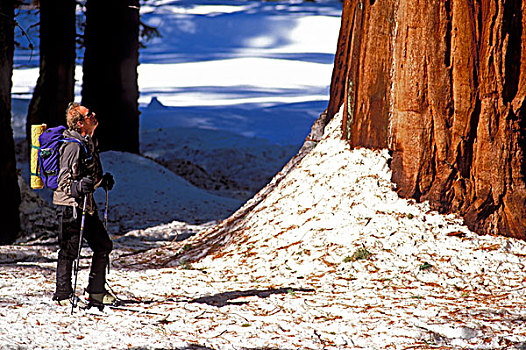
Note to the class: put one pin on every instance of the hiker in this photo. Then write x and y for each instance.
(80, 173)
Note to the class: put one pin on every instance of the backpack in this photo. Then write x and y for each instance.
(49, 154)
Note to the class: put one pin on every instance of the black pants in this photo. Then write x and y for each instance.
(68, 238)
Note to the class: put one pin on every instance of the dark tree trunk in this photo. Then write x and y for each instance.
(9, 215)
(55, 85)
(443, 85)
(110, 72)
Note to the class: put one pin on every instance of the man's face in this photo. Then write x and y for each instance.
(89, 122)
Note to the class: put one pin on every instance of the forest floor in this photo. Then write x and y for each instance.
(331, 259)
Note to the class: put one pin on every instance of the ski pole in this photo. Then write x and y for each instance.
(74, 301)
(106, 222)
(106, 212)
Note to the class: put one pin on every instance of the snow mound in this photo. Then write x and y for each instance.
(335, 227)
(335, 201)
(147, 194)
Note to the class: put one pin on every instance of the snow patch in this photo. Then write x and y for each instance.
(147, 194)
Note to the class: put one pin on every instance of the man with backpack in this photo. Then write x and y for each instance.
(80, 173)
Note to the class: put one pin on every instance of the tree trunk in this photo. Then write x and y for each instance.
(110, 72)
(9, 215)
(442, 84)
(56, 82)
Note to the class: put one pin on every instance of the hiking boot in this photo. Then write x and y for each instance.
(105, 298)
(62, 299)
(69, 301)
(63, 302)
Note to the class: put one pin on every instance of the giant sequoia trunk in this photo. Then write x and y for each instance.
(110, 71)
(55, 85)
(9, 215)
(442, 84)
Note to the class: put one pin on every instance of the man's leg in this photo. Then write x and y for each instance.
(101, 245)
(68, 239)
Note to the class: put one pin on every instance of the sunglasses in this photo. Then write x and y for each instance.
(88, 116)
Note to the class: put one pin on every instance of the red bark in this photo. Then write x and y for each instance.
(442, 84)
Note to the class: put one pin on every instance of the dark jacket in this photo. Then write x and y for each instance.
(76, 163)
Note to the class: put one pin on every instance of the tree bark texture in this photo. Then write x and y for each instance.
(111, 58)
(9, 215)
(56, 82)
(442, 84)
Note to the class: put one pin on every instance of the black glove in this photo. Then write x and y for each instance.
(82, 187)
(107, 181)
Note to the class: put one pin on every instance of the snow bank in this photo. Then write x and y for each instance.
(147, 194)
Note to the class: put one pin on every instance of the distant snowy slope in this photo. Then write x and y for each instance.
(283, 124)
(204, 30)
(222, 162)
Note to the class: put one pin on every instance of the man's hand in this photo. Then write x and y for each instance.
(107, 182)
(82, 187)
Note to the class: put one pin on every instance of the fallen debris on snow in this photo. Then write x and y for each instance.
(330, 258)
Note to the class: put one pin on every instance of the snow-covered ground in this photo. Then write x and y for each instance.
(325, 261)
(331, 258)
